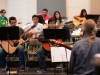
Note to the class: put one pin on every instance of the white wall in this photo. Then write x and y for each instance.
(74, 7)
(22, 10)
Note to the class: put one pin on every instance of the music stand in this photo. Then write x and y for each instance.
(95, 17)
(57, 34)
(9, 33)
(98, 33)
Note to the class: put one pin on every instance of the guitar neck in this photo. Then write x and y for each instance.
(67, 46)
(25, 33)
(62, 44)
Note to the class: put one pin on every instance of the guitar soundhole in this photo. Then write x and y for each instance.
(15, 44)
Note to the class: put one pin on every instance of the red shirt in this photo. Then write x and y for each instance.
(45, 17)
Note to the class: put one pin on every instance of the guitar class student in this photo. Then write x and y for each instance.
(38, 26)
(58, 18)
(45, 14)
(80, 18)
(19, 50)
(45, 48)
(84, 50)
(3, 18)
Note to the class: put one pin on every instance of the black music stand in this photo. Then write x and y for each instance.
(98, 33)
(57, 34)
(95, 17)
(9, 33)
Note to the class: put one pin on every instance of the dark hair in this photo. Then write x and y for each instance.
(51, 20)
(2, 10)
(60, 19)
(45, 10)
(12, 18)
(35, 16)
(81, 14)
(41, 20)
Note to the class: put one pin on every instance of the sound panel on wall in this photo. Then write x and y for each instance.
(52, 6)
(95, 6)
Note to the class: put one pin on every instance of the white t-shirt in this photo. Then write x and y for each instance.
(38, 29)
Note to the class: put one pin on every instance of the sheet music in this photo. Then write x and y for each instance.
(76, 32)
(60, 54)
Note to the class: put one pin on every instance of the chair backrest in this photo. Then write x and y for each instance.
(34, 44)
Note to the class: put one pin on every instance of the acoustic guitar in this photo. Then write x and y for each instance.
(13, 45)
(76, 22)
(46, 46)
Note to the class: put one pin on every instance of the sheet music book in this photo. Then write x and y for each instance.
(76, 32)
(60, 54)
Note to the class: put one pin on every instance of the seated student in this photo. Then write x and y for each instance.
(84, 50)
(45, 14)
(82, 14)
(19, 50)
(3, 18)
(58, 18)
(42, 52)
(39, 27)
(41, 20)
(79, 19)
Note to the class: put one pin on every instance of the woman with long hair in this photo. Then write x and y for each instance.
(82, 14)
(58, 18)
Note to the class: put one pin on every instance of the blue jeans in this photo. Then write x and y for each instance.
(19, 50)
(41, 53)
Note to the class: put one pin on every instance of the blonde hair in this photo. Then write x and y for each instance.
(90, 27)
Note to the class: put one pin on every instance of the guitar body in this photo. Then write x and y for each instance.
(46, 46)
(13, 46)
(12, 49)
(77, 22)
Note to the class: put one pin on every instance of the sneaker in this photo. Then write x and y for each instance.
(42, 71)
(22, 69)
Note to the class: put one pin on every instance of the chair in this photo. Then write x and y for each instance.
(34, 45)
(14, 56)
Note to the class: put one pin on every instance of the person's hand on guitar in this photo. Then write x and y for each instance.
(51, 40)
(54, 42)
(14, 41)
(61, 27)
(27, 35)
(80, 20)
